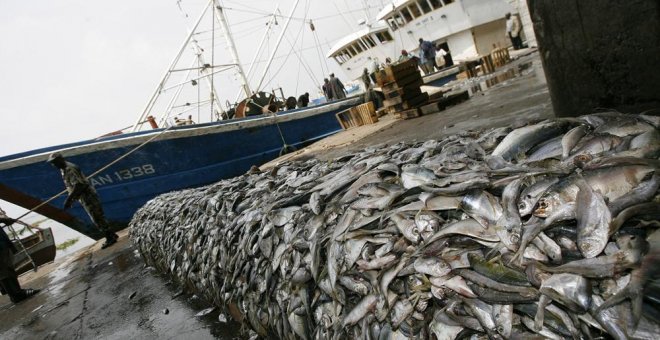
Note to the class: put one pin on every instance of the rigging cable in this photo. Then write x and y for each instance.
(319, 53)
(212, 63)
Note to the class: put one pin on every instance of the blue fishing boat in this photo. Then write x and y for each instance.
(173, 159)
(131, 166)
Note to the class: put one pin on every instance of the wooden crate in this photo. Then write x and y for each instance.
(348, 120)
(399, 105)
(414, 79)
(500, 56)
(405, 92)
(407, 114)
(366, 112)
(357, 116)
(396, 71)
(443, 103)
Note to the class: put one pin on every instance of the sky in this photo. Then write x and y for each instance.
(78, 69)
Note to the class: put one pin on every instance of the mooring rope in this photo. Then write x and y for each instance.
(88, 177)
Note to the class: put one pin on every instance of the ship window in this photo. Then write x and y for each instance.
(447, 2)
(406, 14)
(351, 51)
(357, 47)
(370, 41)
(436, 3)
(414, 10)
(384, 36)
(363, 45)
(399, 20)
(338, 60)
(392, 23)
(424, 6)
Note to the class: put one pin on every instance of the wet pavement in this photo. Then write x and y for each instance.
(107, 294)
(110, 294)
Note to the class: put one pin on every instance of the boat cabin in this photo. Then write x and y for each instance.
(360, 49)
(467, 28)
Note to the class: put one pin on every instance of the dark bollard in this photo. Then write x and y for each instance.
(599, 54)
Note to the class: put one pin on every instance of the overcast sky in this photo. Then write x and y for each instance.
(77, 69)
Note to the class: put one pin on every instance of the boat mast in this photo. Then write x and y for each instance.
(272, 21)
(152, 100)
(205, 71)
(277, 45)
(220, 15)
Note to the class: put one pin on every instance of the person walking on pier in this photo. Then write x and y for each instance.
(8, 279)
(81, 190)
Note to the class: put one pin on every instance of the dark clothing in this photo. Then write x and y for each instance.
(327, 91)
(338, 88)
(7, 250)
(290, 103)
(303, 100)
(5, 241)
(366, 79)
(88, 197)
(516, 42)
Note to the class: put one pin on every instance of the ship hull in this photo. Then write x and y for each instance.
(179, 158)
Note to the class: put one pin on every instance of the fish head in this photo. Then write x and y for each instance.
(582, 159)
(427, 223)
(632, 242)
(547, 205)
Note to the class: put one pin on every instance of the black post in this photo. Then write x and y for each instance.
(599, 54)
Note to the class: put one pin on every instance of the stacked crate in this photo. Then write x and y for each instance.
(400, 84)
(357, 116)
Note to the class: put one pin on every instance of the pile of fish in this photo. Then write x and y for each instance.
(549, 230)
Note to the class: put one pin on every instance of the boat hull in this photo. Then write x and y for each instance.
(179, 158)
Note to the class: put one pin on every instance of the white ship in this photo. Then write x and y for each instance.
(464, 28)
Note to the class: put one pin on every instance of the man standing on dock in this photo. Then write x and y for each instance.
(513, 30)
(8, 278)
(80, 189)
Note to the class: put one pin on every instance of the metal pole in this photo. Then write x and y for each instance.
(220, 15)
(279, 40)
(200, 57)
(152, 100)
(261, 44)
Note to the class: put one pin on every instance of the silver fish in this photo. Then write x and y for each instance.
(366, 305)
(520, 140)
(432, 266)
(571, 138)
(573, 291)
(593, 220)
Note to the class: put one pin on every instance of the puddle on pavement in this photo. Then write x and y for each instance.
(59, 278)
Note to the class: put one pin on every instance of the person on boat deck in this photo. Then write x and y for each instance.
(327, 90)
(440, 54)
(290, 103)
(427, 55)
(303, 100)
(374, 67)
(8, 278)
(338, 89)
(366, 79)
(404, 56)
(81, 190)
